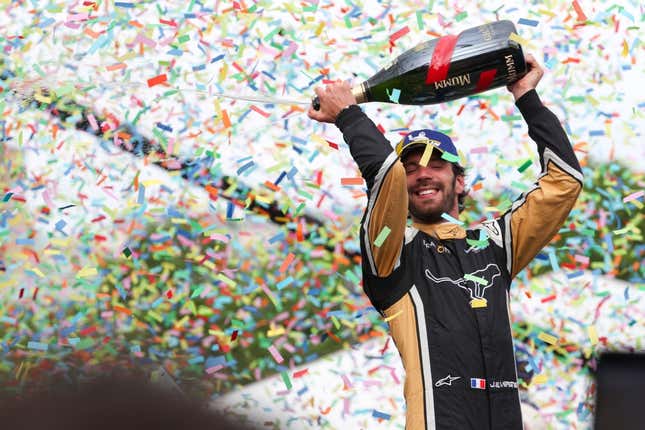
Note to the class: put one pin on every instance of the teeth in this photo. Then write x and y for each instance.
(427, 192)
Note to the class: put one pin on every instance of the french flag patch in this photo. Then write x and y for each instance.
(479, 384)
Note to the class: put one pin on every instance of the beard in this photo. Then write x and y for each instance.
(433, 215)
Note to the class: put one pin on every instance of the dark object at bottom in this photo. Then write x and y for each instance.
(620, 399)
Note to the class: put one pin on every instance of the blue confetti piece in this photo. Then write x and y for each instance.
(382, 415)
(277, 237)
(245, 167)
(451, 219)
(142, 195)
(554, 261)
(219, 57)
(284, 282)
(123, 4)
(37, 345)
(529, 22)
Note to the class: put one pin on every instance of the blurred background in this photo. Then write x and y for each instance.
(151, 221)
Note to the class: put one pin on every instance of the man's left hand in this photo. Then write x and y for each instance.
(529, 81)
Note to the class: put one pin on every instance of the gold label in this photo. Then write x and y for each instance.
(510, 67)
(487, 32)
(460, 80)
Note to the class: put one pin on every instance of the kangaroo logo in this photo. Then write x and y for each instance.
(474, 283)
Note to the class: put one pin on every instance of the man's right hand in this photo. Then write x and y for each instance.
(333, 98)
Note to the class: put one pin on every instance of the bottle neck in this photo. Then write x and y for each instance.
(359, 93)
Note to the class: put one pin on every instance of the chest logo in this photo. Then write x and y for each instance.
(475, 283)
(448, 380)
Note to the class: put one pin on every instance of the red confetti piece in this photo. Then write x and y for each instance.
(157, 80)
(548, 299)
(579, 11)
(300, 373)
(260, 111)
(397, 35)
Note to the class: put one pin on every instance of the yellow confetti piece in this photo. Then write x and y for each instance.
(149, 182)
(478, 303)
(548, 338)
(539, 379)
(276, 332)
(522, 41)
(228, 281)
(391, 317)
(593, 335)
(425, 157)
(37, 271)
(87, 272)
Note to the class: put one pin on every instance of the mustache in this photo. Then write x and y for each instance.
(428, 183)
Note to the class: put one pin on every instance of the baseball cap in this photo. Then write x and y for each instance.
(418, 138)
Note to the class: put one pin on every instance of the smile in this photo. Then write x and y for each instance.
(427, 192)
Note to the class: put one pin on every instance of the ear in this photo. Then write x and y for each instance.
(460, 184)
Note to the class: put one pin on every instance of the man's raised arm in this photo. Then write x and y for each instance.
(539, 213)
(387, 205)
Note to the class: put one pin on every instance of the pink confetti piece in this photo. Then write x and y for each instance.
(276, 354)
(634, 196)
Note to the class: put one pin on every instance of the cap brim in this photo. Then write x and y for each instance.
(418, 145)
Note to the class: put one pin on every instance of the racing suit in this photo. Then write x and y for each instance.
(445, 289)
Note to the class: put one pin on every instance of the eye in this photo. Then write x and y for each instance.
(411, 168)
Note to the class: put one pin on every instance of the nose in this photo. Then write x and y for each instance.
(424, 172)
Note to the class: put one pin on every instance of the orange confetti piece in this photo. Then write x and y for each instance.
(116, 66)
(122, 309)
(225, 119)
(351, 181)
(287, 262)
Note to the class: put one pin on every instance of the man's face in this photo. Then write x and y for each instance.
(432, 189)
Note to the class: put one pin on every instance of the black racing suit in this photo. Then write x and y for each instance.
(445, 289)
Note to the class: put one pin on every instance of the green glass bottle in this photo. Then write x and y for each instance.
(447, 68)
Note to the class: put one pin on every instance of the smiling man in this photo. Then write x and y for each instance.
(443, 288)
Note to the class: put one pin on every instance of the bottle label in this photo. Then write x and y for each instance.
(455, 81)
(510, 67)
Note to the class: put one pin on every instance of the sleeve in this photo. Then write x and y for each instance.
(387, 206)
(538, 214)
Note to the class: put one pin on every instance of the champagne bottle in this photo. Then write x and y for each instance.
(447, 68)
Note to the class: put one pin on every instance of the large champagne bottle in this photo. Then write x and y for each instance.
(447, 68)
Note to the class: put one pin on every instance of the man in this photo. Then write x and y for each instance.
(446, 288)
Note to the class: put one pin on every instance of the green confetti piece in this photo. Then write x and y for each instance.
(183, 39)
(385, 232)
(461, 16)
(525, 166)
(476, 279)
(477, 243)
(285, 378)
(271, 34)
(508, 118)
(519, 186)
(127, 252)
(450, 157)
(420, 20)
